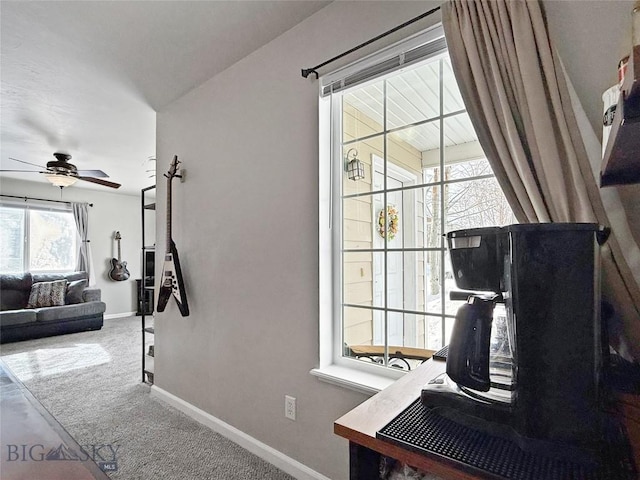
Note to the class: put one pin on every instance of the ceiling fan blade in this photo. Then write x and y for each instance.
(99, 181)
(92, 173)
(28, 163)
(23, 171)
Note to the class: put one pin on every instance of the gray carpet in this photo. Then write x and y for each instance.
(91, 383)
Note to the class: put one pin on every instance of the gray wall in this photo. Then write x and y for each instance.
(246, 228)
(591, 38)
(110, 212)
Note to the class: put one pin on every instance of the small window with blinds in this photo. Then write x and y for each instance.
(406, 167)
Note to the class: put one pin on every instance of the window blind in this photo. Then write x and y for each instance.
(35, 204)
(423, 45)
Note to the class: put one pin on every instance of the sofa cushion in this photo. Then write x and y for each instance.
(47, 294)
(14, 291)
(51, 277)
(17, 317)
(92, 294)
(74, 292)
(19, 281)
(69, 312)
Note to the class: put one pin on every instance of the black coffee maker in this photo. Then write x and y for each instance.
(536, 369)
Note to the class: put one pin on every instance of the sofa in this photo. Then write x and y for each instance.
(41, 305)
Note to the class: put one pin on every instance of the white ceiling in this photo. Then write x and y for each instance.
(413, 96)
(86, 78)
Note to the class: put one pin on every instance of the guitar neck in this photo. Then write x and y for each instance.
(169, 214)
(119, 257)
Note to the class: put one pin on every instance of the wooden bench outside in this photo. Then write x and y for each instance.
(376, 353)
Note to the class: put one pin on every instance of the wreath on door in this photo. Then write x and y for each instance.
(394, 222)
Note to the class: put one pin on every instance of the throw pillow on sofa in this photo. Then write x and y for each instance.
(47, 294)
(74, 292)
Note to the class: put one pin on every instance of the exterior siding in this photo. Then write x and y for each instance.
(359, 228)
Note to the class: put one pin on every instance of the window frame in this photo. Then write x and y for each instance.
(334, 366)
(33, 206)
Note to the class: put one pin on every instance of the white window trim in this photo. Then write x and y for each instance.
(335, 369)
(332, 366)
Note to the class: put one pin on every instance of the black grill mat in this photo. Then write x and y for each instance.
(420, 429)
(441, 354)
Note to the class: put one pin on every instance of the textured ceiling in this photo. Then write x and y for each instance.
(86, 78)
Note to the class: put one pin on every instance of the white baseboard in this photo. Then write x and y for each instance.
(119, 315)
(262, 450)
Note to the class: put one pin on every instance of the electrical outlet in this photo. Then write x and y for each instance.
(290, 407)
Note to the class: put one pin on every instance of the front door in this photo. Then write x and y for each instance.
(398, 292)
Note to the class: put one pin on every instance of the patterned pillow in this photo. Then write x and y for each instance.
(47, 294)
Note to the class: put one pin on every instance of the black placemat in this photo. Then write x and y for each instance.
(441, 354)
(421, 429)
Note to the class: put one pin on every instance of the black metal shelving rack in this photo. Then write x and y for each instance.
(146, 294)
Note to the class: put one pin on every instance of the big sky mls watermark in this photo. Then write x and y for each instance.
(103, 454)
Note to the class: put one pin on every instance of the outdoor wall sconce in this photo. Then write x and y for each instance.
(355, 168)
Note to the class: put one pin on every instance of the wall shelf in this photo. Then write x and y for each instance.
(621, 163)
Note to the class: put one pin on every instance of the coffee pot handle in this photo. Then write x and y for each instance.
(468, 356)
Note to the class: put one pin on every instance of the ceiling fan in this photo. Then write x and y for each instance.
(62, 174)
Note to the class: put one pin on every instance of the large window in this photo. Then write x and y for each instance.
(37, 240)
(425, 174)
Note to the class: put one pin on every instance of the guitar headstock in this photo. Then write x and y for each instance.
(173, 168)
(118, 237)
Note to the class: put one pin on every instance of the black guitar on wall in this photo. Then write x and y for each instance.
(118, 271)
(172, 283)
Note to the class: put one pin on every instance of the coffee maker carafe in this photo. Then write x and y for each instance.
(535, 368)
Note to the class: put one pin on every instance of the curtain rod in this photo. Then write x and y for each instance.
(307, 71)
(39, 199)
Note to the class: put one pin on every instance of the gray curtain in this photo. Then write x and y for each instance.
(85, 261)
(516, 94)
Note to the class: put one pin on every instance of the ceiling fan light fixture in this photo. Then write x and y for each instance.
(61, 180)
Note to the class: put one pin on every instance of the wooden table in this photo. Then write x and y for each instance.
(34, 444)
(360, 425)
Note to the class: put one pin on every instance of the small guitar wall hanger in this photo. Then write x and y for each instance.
(118, 271)
(171, 280)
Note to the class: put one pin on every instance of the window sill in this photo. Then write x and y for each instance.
(363, 382)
